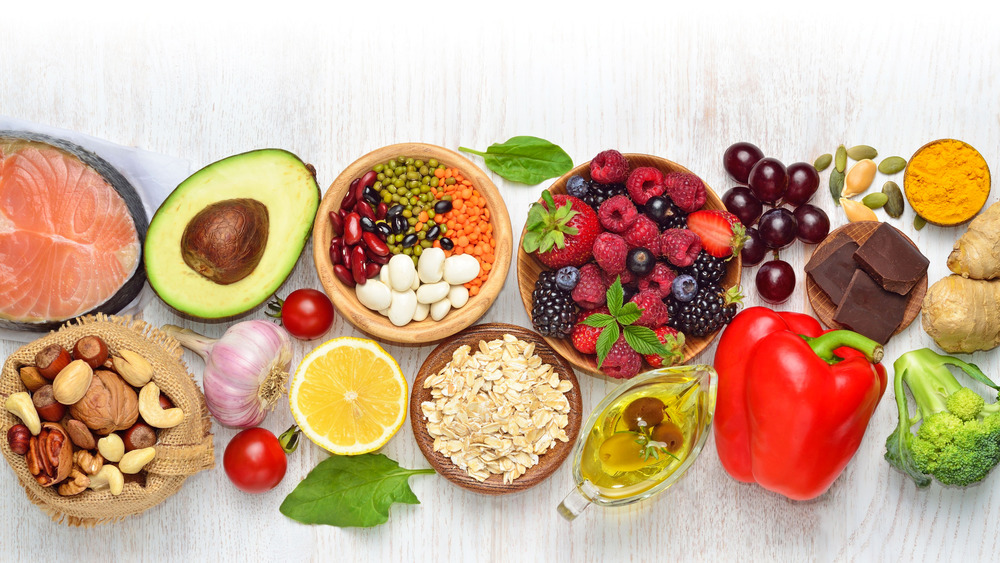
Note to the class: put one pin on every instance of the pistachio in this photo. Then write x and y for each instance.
(111, 447)
(19, 404)
(875, 200)
(823, 162)
(894, 201)
(133, 368)
(836, 185)
(109, 477)
(841, 159)
(72, 382)
(892, 165)
(133, 461)
(859, 178)
(857, 211)
(862, 152)
(919, 222)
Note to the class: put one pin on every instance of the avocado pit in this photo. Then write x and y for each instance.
(225, 241)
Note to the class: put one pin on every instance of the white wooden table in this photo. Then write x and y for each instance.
(331, 88)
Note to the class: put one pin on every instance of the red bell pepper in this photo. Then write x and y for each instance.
(793, 401)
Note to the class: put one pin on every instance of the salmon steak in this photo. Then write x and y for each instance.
(68, 241)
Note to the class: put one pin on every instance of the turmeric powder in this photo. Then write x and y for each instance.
(947, 182)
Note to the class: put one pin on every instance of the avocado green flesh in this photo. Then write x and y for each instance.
(276, 178)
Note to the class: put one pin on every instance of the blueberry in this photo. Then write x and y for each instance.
(629, 292)
(640, 261)
(567, 278)
(657, 207)
(684, 288)
(577, 186)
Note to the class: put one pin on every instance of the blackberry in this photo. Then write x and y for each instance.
(597, 193)
(707, 269)
(711, 309)
(553, 312)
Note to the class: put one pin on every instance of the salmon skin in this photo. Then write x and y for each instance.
(71, 233)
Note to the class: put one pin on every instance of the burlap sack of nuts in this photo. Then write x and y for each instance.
(181, 451)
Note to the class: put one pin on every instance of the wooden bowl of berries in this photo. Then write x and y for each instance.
(412, 243)
(630, 257)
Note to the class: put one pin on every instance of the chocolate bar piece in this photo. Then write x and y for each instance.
(870, 310)
(832, 267)
(891, 260)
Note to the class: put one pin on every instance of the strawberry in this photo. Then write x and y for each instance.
(722, 234)
(561, 231)
(584, 336)
(674, 341)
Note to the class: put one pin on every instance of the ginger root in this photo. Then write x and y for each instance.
(963, 315)
(977, 253)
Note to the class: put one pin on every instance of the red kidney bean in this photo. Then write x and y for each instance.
(352, 229)
(368, 180)
(344, 275)
(381, 210)
(343, 213)
(372, 269)
(358, 264)
(359, 189)
(351, 197)
(336, 254)
(364, 210)
(345, 256)
(379, 259)
(375, 244)
(337, 222)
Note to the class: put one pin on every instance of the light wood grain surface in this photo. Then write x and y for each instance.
(331, 87)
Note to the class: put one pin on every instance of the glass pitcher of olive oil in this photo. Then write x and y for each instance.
(642, 437)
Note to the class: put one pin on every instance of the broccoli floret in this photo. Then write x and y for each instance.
(958, 441)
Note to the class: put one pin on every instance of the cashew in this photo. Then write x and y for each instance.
(153, 413)
(133, 368)
(20, 405)
(111, 447)
(133, 461)
(108, 477)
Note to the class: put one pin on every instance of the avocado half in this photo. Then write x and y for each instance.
(274, 178)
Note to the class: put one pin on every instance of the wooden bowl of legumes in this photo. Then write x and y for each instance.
(403, 200)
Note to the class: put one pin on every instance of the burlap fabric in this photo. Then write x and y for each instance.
(181, 451)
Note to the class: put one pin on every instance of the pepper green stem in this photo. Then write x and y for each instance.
(825, 344)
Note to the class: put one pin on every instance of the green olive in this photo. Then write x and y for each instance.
(621, 452)
(643, 412)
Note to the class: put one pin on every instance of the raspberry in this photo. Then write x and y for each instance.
(645, 183)
(617, 213)
(585, 337)
(659, 280)
(686, 190)
(643, 232)
(609, 167)
(674, 341)
(622, 362)
(591, 291)
(679, 246)
(610, 251)
(654, 310)
(627, 277)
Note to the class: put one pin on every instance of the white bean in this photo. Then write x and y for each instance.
(432, 292)
(383, 275)
(401, 272)
(440, 309)
(404, 304)
(374, 294)
(423, 309)
(460, 269)
(430, 266)
(458, 296)
(416, 283)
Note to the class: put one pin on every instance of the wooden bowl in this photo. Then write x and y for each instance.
(945, 186)
(547, 462)
(825, 308)
(528, 267)
(344, 298)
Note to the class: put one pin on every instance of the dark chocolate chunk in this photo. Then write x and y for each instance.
(870, 310)
(833, 265)
(891, 260)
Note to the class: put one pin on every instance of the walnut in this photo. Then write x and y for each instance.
(89, 463)
(77, 482)
(110, 404)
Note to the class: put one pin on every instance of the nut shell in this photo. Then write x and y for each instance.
(50, 455)
(109, 404)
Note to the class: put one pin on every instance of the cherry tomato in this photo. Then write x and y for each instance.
(306, 313)
(254, 461)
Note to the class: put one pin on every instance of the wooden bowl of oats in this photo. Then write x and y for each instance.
(464, 409)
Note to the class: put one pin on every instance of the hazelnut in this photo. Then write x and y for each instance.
(139, 436)
(109, 404)
(49, 409)
(51, 360)
(31, 378)
(92, 350)
(18, 438)
(81, 436)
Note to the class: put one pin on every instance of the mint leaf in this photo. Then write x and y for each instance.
(643, 340)
(605, 341)
(351, 491)
(615, 295)
(629, 313)
(599, 320)
(525, 159)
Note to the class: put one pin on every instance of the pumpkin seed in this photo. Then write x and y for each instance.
(894, 199)
(823, 162)
(862, 152)
(836, 185)
(841, 159)
(859, 178)
(857, 211)
(919, 222)
(875, 200)
(892, 164)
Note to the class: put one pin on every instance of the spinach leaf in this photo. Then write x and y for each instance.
(351, 491)
(528, 160)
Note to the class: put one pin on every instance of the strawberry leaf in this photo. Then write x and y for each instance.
(536, 217)
(615, 296)
(531, 241)
(629, 313)
(546, 242)
(599, 320)
(643, 340)
(558, 238)
(606, 340)
(547, 197)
